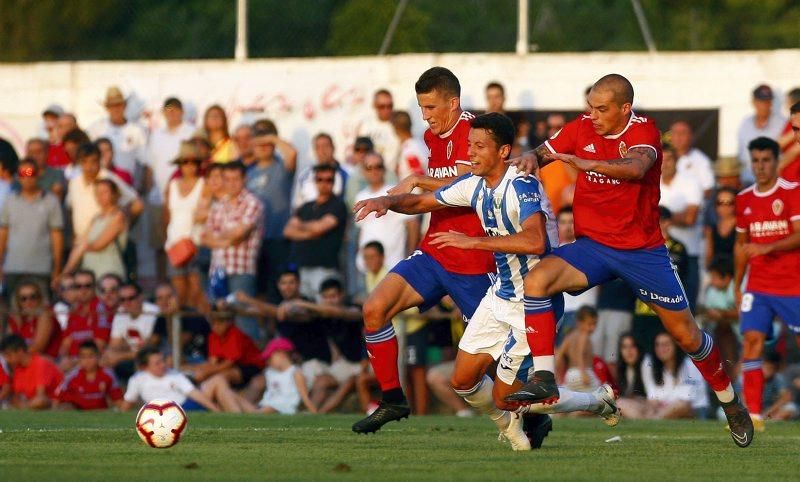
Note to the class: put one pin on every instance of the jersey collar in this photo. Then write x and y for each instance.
(768, 192)
(630, 121)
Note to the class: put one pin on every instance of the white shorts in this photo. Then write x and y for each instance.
(312, 369)
(342, 370)
(574, 380)
(497, 328)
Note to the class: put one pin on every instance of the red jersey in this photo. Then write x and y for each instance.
(792, 170)
(84, 323)
(767, 217)
(57, 157)
(614, 212)
(235, 346)
(87, 394)
(39, 372)
(4, 371)
(25, 326)
(446, 152)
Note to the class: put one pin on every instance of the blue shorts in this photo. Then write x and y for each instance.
(758, 310)
(649, 272)
(433, 282)
(190, 404)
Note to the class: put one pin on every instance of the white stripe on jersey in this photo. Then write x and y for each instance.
(501, 211)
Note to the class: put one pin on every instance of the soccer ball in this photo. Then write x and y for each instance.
(160, 423)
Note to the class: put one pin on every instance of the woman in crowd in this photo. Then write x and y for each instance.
(721, 237)
(215, 123)
(629, 377)
(101, 250)
(675, 388)
(180, 209)
(32, 319)
(107, 160)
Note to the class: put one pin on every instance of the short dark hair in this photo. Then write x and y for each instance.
(376, 245)
(401, 120)
(722, 264)
(214, 166)
(143, 355)
(323, 135)
(263, 127)
(795, 108)
(133, 285)
(765, 144)
(111, 186)
(619, 85)
(104, 140)
(323, 168)
(496, 85)
(236, 166)
(173, 102)
(13, 343)
(498, 126)
(89, 345)
(113, 276)
(726, 189)
(331, 283)
(440, 79)
(290, 272)
(85, 272)
(76, 136)
(381, 92)
(585, 312)
(88, 149)
(794, 95)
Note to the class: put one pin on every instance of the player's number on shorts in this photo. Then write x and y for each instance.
(415, 253)
(747, 302)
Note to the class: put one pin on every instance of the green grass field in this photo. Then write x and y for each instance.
(73, 446)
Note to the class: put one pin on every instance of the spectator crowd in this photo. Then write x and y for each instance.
(261, 269)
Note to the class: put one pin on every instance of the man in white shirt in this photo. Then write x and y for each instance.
(413, 152)
(682, 194)
(764, 123)
(130, 331)
(129, 139)
(154, 380)
(80, 194)
(398, 233)
(379, 129)
(691, 160)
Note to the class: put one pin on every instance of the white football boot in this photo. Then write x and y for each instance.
(514, 433)
(610, 412)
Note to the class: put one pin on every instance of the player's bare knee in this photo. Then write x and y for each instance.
(538, 284)
(374, 311)
(464, 382)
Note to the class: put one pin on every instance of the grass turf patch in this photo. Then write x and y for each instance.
(73, 445)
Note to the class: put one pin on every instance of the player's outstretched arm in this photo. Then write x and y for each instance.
(531, 161)
(634, 166)
(427, 183)
(531, 240)
(400, 203)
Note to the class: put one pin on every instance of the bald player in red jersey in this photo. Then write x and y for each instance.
(618, 156)
(768, 250)
(429, 273)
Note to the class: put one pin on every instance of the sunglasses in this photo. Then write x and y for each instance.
(126, 299)
(108, 291)
(67, 287)
(26, 298)
(384, 106)
(725, 203)
(361, 149)
(84, 286)
(375, 167)
(184, 162)
(327, 180)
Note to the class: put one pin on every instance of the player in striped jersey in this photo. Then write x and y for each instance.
(519, 227)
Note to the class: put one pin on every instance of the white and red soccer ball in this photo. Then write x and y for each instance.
(160, 423)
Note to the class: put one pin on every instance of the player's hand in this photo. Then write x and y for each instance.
(377, 205)
(453, 239)
(405, 186)
(528, 163)
(751, 250)
(574, 161)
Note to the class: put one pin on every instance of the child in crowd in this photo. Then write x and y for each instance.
(286, 385)
(576, 355)
(35, 378)
(90, 386)
(674, 386)
(778, 396)
(720, 310)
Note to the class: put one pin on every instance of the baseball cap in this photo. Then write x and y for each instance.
(277, 344)
(763, 92)
(53, 109)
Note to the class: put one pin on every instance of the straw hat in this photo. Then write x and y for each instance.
(727, 166)
(114, 96)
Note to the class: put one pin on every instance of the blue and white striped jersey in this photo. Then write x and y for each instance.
(502, 211)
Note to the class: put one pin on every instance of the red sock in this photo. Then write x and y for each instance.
(711, 369)
(540, 326)
(753, 385)
(382, 350)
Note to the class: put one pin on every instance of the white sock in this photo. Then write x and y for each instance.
(546, 363)
(726, 396)
(480, 397)
(569, 401)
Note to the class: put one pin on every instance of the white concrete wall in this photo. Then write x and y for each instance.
(305, 96)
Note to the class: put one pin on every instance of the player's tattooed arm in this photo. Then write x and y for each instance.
(399, 203)
(531, 161)
(634, 166)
